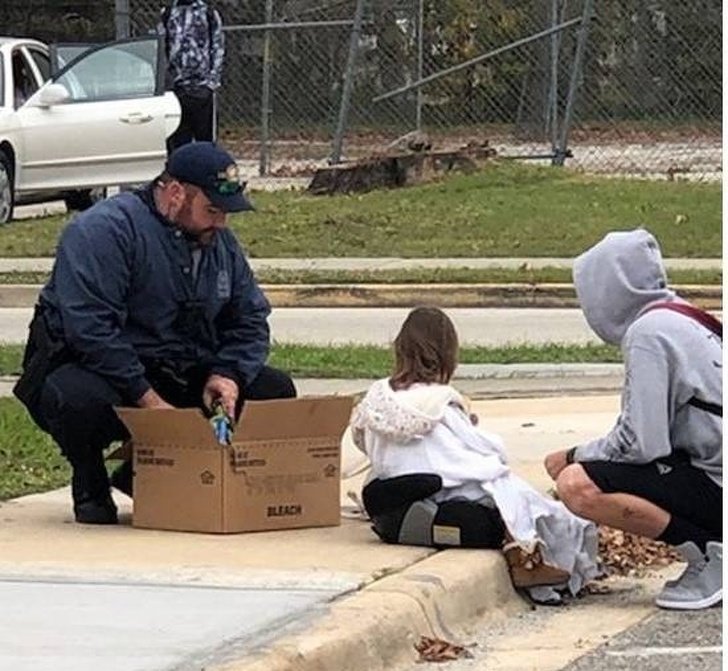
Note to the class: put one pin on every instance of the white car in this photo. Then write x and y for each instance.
(102, 119)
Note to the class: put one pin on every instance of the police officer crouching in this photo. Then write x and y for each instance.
(151, 303)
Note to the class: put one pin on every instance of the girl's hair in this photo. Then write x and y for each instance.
(425, 350)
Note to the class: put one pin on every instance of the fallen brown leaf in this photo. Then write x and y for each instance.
(437, 650)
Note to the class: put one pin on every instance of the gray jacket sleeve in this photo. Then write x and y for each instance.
(642, 431)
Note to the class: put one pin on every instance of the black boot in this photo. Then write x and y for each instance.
(92, 502)
(122, 478)
(100, 510)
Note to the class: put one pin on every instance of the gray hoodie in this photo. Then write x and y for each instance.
(669, 358)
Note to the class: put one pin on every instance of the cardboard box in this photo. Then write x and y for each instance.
(281, 472)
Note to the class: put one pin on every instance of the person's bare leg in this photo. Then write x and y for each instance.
(620, 511)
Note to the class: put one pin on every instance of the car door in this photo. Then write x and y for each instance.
(112, 126)
(61, 54)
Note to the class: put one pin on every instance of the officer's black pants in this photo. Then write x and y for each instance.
(76, 407)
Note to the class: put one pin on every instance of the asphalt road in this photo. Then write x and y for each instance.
(379, 326)
(665, 641)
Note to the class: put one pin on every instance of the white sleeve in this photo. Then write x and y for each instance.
(474, 438)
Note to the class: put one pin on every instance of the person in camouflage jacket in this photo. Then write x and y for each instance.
(195, 48)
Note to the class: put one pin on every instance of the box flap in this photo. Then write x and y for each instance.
(178, 426)
(311, 416)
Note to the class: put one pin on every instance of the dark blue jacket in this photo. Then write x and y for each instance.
(122, 290)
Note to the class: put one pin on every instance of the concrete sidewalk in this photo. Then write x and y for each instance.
(78, 597)
(44, 264)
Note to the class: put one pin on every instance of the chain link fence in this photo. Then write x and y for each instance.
(304, 79)
(58, 20)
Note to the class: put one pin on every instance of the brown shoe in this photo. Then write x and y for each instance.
(528, 568)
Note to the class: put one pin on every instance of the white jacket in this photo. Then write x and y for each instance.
(426, 429)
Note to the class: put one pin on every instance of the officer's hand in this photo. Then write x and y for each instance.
(151, 399)
(223, 389)
(555, 463)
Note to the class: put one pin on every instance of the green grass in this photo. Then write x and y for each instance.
(11, 357)
(414, 276)
(364, 361)
(507, 209)
(29, 460)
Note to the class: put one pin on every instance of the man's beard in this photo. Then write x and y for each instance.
(202, 237)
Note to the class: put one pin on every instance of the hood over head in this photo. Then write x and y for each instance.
(617, 278)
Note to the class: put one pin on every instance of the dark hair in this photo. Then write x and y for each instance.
(165, 178)
(425, 350)
(162, 179)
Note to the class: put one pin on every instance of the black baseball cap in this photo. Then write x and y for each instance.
(211, 168)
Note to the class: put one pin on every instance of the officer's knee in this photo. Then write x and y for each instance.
(280, 384)
(577, 491)
(71, 388)
(271, 383)
(76, 407)
(286, 387)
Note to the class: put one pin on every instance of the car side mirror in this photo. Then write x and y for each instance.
(52, 94)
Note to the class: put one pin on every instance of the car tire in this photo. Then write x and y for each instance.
(83, 199)
(7, 190)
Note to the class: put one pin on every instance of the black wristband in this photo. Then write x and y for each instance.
(570, 454)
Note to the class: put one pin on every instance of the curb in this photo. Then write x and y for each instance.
(513, 380)
(517, 295)
(377, 627)
(478, 381)
(409, 295)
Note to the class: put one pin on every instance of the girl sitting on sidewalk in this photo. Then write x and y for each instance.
(438, 480)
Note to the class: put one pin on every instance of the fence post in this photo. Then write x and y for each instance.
(420, 59)
(552, 104)
(121, 19)
(264, 163)
(560, 152)
(348, 84)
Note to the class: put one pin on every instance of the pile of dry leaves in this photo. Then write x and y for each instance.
(623, 553)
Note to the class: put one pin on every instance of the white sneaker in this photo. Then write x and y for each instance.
(701, 584)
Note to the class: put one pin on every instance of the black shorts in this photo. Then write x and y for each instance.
(672, 484)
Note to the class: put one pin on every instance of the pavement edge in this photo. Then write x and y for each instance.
(516, 295)
(378, 626)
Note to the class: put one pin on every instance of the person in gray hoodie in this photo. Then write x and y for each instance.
(658, 472)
